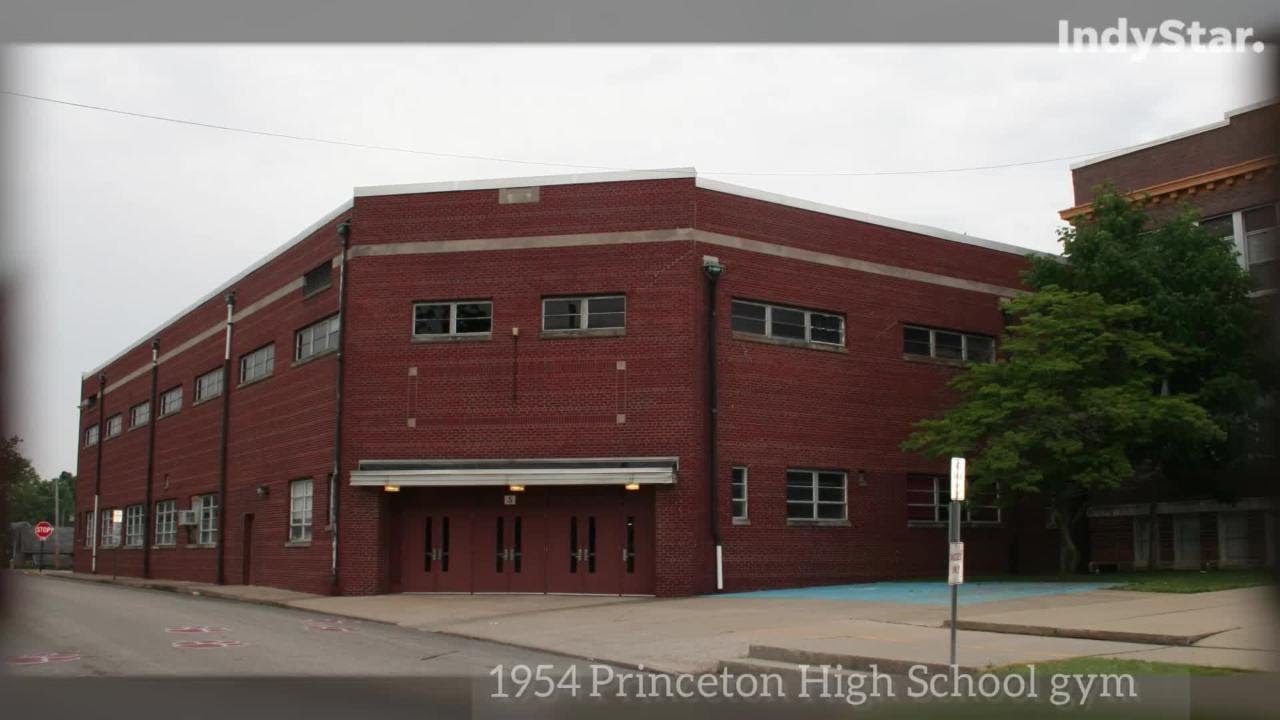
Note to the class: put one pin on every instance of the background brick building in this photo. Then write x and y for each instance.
(1227, 171)
(520, 398)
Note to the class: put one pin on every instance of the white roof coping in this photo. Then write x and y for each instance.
(541, 181)
(1225, 121)
(328, 218)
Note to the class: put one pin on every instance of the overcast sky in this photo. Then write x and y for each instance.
(115, 223)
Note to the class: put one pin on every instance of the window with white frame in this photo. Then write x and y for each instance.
(115, 424)
(91, 436)
(947, 344)
(90, 529)
(598, 312)
(738, 492)
(929, 501)
(257, 364)
(171, 401)
(208, 385)
(1253, 234)
(135, 531)
(316, 338)
(463, 317)
(816, 494)
(317, 279)
(166, 522)
(110, 529)
(140, 414)
(300, 510)
(206, 506)
(787, 323)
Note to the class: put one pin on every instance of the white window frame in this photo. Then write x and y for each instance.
(1240, 237)
(170, 401)
(166, 523)
(110, 529)
(115, 425)
(207, 529)
(453, 319)
(301, 498)
(814, 502)
(91, 435)
(808, 322)
(316, 338)
(90, 529)
(262, 361)
(933, 343)
(140, 414)
(941, 502)
(584, 312)
(738, 479)
(135, 526)
(207, 386)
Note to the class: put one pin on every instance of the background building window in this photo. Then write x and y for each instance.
(929, 500)
(110, 529)
(91, 436)
(816, 495)
(584, 313)
(207, 507)
(738, 492)
(166, 522)
(315, 339)
(452, 318)
(90, 528)
(300, 510)
(171, 401)
(257, 364)
(947, 344)
(140, 414)
(208, 385)
(317, 279)
(115, 424)
(134, 526)
(777, 321)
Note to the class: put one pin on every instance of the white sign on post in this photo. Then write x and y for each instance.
(957, 478)
(117, 516)
(955, 564)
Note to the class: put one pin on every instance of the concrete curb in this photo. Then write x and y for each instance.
(892, 666)
(162, 586)
(1083, 633)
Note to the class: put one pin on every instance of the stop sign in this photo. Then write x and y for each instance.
(43, 530)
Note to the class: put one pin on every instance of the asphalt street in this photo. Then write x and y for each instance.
(57, 627)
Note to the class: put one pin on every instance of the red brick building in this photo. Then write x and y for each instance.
(1227, 171)
(522, 397)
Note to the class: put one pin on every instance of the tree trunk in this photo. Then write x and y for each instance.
(1068, 554)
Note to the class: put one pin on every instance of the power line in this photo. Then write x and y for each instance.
(516, 161)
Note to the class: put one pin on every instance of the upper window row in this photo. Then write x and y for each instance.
(475, 317)
(947, 344)
(1253, 233)
(776, 321)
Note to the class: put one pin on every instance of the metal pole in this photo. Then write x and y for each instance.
(57, 523)
(953, 528)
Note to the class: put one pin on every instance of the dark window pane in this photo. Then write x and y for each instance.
(799, 476)
(606, 320)
(787, 323)
(748, 317)
(474, 310)
(831, 512)
(826, 328)
(800, 511)
(799, 493)
(915, 341)
(830, 479)
(978, 348)
(560, 322)
(607, 305)
(431, 320)
(947, 345)
(831, 494)
(1259, 218)
(561, 314)
(1221, 226)
(739, 509)
(317, 279)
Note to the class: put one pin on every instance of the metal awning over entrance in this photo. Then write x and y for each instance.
(478, 473)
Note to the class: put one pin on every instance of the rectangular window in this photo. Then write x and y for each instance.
(584, 313)
(110, 529)
(207, 507)
(816, 494)
(738, 492)
(170, 401)
(947, 344)
(115, 424)
(90, 528)
(300, 510)
(91, 436)
(208, 385)
(140, 414)
(929, 501)
(473, 317)
(315, 339)
(257, 364)
(166, 522)
(317, 279)
(777, 321)
(1253, 234)
(134, 526)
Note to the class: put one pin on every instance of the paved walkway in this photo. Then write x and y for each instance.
(245, 593)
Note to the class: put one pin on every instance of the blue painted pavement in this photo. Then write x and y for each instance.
(926, 593)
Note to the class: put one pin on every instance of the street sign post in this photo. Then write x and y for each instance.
(955, 556)
(117, 519)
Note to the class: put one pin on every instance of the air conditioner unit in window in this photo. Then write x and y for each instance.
(188, 517)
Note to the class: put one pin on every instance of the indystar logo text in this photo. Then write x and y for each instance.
(1171, 34)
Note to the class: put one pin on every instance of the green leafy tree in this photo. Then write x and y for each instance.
(28, 497)
(1062, 413)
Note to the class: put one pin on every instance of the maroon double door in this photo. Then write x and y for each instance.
(542, 540)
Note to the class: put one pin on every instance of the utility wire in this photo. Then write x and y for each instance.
(491, 158)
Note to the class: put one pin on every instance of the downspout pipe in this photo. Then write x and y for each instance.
(97, 475)
(151, 463)
(223, 440)
(335, 474)
(712, 268)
